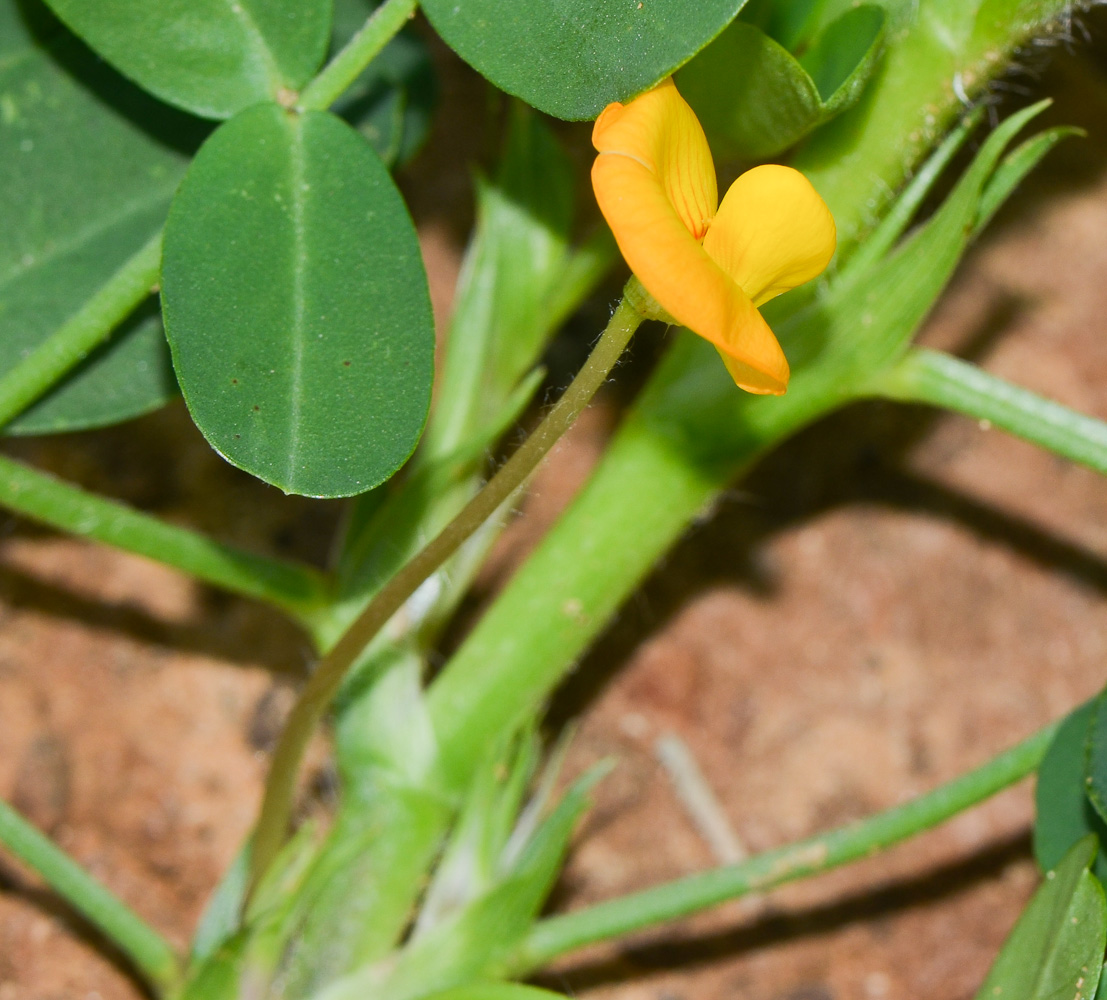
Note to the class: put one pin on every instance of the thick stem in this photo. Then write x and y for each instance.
(638, 911)
(335, 78)
(926, 376)
(86, 329)
(298, 589)
(147, 950)
(325, 681)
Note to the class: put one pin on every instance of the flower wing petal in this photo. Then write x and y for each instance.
(772, 232)
(660, 131)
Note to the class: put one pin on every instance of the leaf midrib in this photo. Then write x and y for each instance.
(245, 18)
(297, 173)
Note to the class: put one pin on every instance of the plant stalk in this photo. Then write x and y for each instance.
(321, 687)
(938, 379)
(337, 76)
(296, 588)
(149, 952)
(77, 336)
(641, 910)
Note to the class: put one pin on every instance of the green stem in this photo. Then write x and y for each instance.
(297, 589)
(324, 682)
(335, 78)
(638, 911)
(926, 376)
(85, 330)
(148, 950)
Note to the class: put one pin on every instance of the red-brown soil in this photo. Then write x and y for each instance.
(889, 600)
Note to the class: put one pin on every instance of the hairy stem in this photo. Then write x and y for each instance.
(149, 952)
(296, 588)
(325, 681)
(638, 911)
(77, 336)
(926, 376)
(334, 79)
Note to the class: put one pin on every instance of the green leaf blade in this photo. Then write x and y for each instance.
(843, 57)
(756, 99)
(767, 101)
(1095, 758)
(211, 57)
(296, 304)
(1063, 813)
(497, 991)
(124, 378)
(1055, 951)
(82, 187)
(580, 55)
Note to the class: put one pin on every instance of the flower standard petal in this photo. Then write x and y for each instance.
(772, 232)
(662, 133)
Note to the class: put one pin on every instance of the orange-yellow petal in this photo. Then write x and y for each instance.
(676, 270)
(772, 232)
(659, 131)
(754, 357)
(655, 184)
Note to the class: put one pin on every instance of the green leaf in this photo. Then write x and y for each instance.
(217, 976)
(392, 101)
(221, 917)
(755, 99)
(515, 267)
(83, 185)
(900, 214)
(1095, 757)
(578, 55)
(357, 899)
(471, 862)
(1055, 951)
(789, 22)
(384, 729)
(496, 991)
(1063, 813)
(475, 942)
(126, 377)
(1016, 165)
(211, 57)
(296, 304)
(233, 948)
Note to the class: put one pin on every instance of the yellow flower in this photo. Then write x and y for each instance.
(708, 266)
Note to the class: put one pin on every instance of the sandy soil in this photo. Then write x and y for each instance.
(889, 600)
